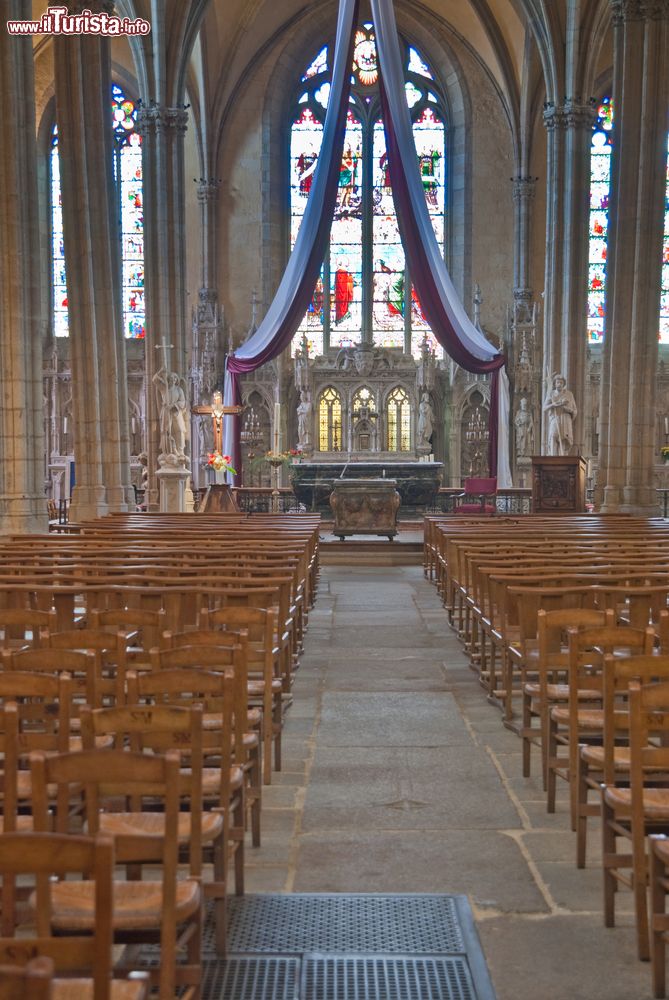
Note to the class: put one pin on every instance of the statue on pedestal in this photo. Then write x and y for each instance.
(560, 408)
(524, 425)
(173, 417)
(304, 421)
(425, 423)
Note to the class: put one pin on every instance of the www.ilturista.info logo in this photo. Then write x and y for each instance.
(57, 21)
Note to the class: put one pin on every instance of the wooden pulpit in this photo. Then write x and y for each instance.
(558, 484)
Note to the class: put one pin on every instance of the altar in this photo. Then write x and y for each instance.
(416, 482)
(365, 507)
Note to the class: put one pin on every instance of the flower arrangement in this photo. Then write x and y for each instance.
(220, 463)
(664, 451)
(278, 458)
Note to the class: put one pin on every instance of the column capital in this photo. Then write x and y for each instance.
(207, 189)
(153, 118)
(570, 114)
(523, 187)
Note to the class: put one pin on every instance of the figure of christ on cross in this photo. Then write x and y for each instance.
(218, 411)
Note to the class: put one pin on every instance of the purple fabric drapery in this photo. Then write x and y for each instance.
(440, 303)
(299, 280)
(438, 299)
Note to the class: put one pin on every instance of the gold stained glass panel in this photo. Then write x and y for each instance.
(398, 421)
(329, 420)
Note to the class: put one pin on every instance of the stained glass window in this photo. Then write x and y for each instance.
(664, 300)
(58, 282)
(364, 290)
(398, 420)
(128, 177)
(600, 185)
(329, 420)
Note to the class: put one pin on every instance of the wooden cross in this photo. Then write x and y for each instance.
(218, 411)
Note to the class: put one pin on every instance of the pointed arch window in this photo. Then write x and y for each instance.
(128, 177)
(600, 188)
(398, 420)
(364, 291)
(363, 398)
(329, 420)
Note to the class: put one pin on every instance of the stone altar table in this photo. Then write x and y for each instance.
(416, 482)
(365, 507)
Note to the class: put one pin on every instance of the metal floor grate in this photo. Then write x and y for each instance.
(329, 977)
(347, 947)
(346, 924)
(251, 978)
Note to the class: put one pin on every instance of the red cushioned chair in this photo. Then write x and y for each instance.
(477, 490)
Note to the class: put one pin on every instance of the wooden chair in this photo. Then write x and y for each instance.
(544, 673)
(109, 651)
(246, 727)
(481, 488)
(264, 681)
(34, 715)
(161, 727)
(576, 723)
(23, 628)
(659, 919)
(641, 806)
(84, 952)
(166, 910)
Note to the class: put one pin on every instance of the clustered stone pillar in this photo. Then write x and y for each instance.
(569, 133)
(93, 265)
(523, 195)
(636, 221)
(163, 130)
(22, 502)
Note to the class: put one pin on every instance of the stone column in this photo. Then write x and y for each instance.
(93, 263)
(523, 195)
(569, 133)
(162, 130)
(634, 264)
(22, 501)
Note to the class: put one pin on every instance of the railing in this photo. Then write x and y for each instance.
(509, 501)
(258, 499)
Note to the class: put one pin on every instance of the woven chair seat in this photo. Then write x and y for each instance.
(655, 801)
(138, 906)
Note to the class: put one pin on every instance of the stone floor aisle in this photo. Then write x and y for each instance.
(399, 777)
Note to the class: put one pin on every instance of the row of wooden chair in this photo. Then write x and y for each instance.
(570, 618)
(146, 729)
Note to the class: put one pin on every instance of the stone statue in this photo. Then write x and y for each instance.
(524, 425)
(560, 409)
(304, 421)
(173, 417)
(425, 421)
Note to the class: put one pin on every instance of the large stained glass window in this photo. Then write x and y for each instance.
(600, 186)
(128, 177)
(364, 290)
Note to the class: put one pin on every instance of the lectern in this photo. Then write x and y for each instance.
(558, 484)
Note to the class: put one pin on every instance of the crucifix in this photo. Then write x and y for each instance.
(218, 411)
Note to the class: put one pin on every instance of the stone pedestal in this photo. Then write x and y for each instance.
(365, 507)
(172, 485)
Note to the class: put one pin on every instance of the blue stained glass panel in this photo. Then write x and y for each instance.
(305, 146)
(389, 262)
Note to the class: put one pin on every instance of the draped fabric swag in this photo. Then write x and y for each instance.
(440, 303)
